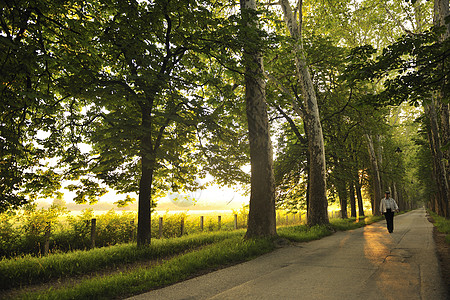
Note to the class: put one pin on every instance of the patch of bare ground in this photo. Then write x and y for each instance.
(443, 253)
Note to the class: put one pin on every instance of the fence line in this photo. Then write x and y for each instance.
(290, 219)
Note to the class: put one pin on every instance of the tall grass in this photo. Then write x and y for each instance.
(27, 270)
(228, 251)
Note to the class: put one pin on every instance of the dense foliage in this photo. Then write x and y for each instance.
(147, 97)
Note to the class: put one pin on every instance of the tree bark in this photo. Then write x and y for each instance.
(262, 218)
(379, 155)
(342, 194)
(441, 12)
(144, 204)
(445, 132)
(352, 200)
(317, 201)
(360, 199)
(439, 167)
(375, 176)
(145, 183)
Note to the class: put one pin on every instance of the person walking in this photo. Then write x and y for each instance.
(387, 208)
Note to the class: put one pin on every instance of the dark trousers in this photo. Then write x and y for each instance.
(389, 215)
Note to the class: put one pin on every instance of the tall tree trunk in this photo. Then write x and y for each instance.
(439, 167)
(308, 183)
(394, 193)
(435, 196)
(261, 219)
(445, 132)
(357, 185)
(144, 205)
(441, 12)
(317, 201)
(359, 197)
(379, 155)
(340, 182)
(401, 199)
(352, 200)
(145, 183)
(342, 194)
(375, 176)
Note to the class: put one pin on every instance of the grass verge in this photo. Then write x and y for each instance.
(353, 223)
(225, 252)
(442, 224)
(303, 233)
(29, 270)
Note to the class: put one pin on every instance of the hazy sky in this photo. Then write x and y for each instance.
(213, 196)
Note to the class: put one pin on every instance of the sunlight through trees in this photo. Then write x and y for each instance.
(147, 97)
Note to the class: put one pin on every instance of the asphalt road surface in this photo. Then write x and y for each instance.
(366, 263)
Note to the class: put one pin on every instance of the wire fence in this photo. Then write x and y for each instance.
(39, 234)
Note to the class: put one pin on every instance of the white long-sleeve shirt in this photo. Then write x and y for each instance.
(388, 203)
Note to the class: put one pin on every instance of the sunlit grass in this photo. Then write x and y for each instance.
(353, 223)
(224, 252)
(27, 270)
(303, 233)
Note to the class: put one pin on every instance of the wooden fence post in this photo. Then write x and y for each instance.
(219, 221)
(201, 222)
(235, 221)
(182, 227)
(160, 227)
(93, 231)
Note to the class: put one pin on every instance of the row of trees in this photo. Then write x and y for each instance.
(415, 69)
(146, 96)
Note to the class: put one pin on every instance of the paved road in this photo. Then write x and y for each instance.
(367, 263)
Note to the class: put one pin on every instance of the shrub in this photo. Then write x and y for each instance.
(113, 228)
(9, 236)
